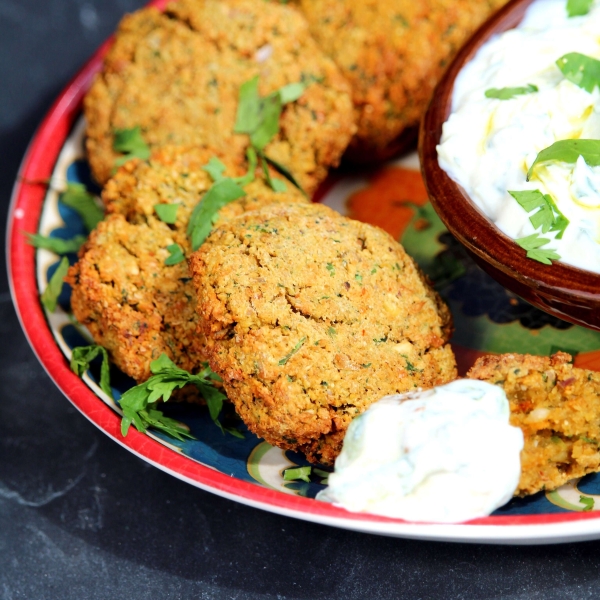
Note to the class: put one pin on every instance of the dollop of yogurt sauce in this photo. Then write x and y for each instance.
(442, 455)
(489, 144)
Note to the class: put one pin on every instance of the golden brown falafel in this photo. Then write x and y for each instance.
(135, 305)
(177, 75)
(392, 52)
(310, 317)
(557, 406)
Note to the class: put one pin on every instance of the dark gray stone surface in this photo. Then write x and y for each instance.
(80, 517)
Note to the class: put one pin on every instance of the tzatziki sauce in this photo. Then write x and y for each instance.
(443, 455)
(488, 144)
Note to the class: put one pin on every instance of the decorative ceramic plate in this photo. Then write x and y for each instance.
(487, 318)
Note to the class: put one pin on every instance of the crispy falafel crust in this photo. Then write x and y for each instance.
(177, 75)
(310, 317)
(133, 304)
(558, 408)
(393, 52)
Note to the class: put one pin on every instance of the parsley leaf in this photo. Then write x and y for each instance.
(276, 184)
(131, 143)
(507, 93)
(55, 244)
(50, 295)
(259, 117)
(548, 217)
(176, 255)
(577, 8)
(248, 111)
(167, 213)
(221, 193)
(582, 70)
(302, 473)
(291, 92)
(252, 162)
(81, 358)
(533, 245)
(587, 502)
(83, 203)
(285, 172)
(139, 403)
(568, 151)
(215, 168)
(293, 351)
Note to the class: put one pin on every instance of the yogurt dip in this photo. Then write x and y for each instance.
(442, 455)
(488, 144)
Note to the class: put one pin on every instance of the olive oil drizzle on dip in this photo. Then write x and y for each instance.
(529, 94)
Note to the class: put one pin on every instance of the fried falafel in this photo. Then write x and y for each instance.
(177, 76)
(134, 304)
(393, 52)
(310, 317)
(557, 406)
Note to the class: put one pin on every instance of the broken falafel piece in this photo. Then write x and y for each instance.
(557, 406)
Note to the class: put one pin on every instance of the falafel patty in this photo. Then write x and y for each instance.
(557, 407)
(133, 304)
(310, 317)
(393, 52)
(176, 175)
(177, 76)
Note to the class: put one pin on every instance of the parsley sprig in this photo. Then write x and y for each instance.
(55, 244)
(582, 70)
(131, 144)
(576, 8)
(507, 93)
(258, 117)
(548, 217)
(82, 357)
(533, 244)
(50, 295)
(568, 151)
(139, 403)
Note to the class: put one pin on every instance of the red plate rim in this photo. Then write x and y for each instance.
(24, 215)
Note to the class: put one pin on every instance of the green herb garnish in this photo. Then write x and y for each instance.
(221, 193)
(409, 366)
(131, 143)
(533, 244)
(55, 244)
(577, 8)
(167, 213)
(548, 217)
(83, 203)
(302, 473)
(81, 358)
(582, 70)
(508, 93)
(587, 502)
(139, 403)
(258, 117)
(50, 295)
(331, 269)
(568, 151)
(293, 351)
(215, 168)
(176, 255)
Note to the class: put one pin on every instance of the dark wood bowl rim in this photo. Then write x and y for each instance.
(458, 212)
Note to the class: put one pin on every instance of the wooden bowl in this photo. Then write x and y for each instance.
(563, 291)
